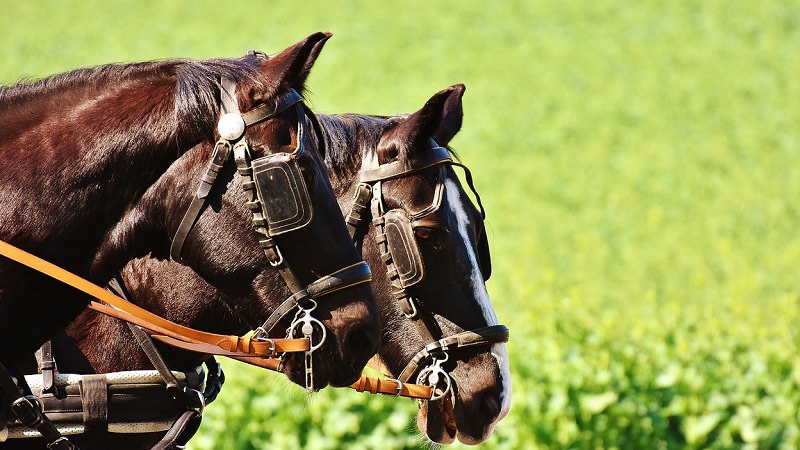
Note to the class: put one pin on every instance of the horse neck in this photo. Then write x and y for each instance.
(82, 148)
(108, 344)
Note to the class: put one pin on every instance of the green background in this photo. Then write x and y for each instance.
(638, 164)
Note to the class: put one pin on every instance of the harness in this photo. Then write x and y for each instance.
(398, 247)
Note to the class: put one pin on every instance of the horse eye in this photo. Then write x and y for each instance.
(424, 233)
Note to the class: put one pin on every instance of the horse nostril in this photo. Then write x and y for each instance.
(488, 405)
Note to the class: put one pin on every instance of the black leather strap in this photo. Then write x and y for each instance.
(28, 411)
(181, 431)
(47, 367)
(493, 334)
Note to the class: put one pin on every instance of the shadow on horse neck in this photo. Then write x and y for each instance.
(453, 290)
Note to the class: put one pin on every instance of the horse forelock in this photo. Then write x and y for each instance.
(348, 139)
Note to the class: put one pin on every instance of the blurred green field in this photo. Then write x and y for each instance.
(638, 164)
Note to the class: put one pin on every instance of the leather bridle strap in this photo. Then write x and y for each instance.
(373, 385)
(116, 307)
(401, 168)
(494, 334)
(349, 276)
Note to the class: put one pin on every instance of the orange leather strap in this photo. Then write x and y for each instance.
(372, 385)
(119, 308)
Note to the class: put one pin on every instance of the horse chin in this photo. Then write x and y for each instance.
(295, 371)
(437, 420)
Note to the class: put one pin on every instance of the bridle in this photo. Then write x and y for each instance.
(398, 248)
(279, 201)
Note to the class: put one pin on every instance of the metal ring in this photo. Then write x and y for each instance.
(435, 397)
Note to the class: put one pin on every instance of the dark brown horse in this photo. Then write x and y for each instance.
(100, 166)
(452, 291)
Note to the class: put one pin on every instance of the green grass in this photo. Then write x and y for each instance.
(638, 164)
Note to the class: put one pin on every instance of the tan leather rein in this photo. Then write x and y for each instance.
(162, 329)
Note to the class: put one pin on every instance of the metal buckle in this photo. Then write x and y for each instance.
(272, 348)
(32, 405)
(413, 306)
(280, 257)
(399, 387)
(261, 335)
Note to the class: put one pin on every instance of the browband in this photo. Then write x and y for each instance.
(401, 168)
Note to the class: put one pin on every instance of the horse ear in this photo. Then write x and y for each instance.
(292, 66)
(451, 116)
(439, 119)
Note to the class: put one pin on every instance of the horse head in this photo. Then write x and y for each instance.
(441, 329)
(267, 180)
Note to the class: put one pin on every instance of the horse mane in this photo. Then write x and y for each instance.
(196, 83)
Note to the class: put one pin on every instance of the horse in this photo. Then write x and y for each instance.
(449, 244)
(101, 166)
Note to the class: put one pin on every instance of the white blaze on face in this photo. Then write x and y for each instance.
(479, 290)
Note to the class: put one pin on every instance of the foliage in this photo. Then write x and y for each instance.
(637, 160)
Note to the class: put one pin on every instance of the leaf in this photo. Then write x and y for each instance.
(596, 403)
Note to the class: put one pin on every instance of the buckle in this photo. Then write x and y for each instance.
(29, 410)
(399, 387)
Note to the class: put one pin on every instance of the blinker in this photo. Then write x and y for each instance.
(402, 245)
(283, 193)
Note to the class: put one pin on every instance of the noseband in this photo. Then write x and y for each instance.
(279, 201)
(404, 264)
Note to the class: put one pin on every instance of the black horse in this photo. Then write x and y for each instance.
(450, 239)
(102, 164)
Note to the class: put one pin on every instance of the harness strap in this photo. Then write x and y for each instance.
(28, 410)
(47, 367)
(493, 334)
(94, 397)
(146, 344)
(181, 431)
(219, 156)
